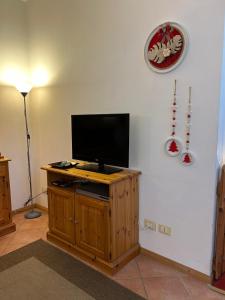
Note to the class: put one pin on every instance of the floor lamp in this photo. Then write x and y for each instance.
(24, 90)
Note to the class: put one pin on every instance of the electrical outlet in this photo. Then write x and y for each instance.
(167, 230)
(164, 229)
(148, 224)
(161, 228)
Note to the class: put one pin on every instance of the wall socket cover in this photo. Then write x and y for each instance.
(148, 224)
(164, 229)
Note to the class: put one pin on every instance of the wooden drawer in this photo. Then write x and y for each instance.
(3, 170)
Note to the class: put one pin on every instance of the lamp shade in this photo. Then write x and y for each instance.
(24, 87)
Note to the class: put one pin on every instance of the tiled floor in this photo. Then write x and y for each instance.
(143, 275)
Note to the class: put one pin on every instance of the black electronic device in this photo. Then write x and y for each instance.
(62, 183)
(101, 139)
(95, 190)
(63, 165)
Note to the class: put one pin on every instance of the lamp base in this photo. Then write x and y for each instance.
(32, 214)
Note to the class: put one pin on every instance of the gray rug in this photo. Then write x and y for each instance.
(41, 271)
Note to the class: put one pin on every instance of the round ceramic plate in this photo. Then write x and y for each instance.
(166, 47)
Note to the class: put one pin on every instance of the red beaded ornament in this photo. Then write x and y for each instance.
(173, 145)
(187, 156)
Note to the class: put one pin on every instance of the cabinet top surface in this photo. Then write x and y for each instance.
(4, 159)
(94, 176)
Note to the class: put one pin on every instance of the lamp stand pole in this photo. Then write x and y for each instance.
(32, 214)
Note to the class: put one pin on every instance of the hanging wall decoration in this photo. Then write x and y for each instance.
(187, 156)
(165, 47)
(173, 145)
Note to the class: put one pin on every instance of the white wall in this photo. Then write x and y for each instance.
(221, 130)
(14, 42)
(13, 66)
(93, 51)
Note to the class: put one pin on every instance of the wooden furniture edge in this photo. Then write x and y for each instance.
(185, 269)
(49, 167)
(6, 226)
(94, 176)
(5, 159)
(109, 268)
(7, 229)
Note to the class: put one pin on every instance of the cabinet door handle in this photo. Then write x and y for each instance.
(73, 221)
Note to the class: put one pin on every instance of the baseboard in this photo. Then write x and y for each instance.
(41, 207)
(20, 210)
(174, 264)
(216, 289)
(7, 229)
(26, 208)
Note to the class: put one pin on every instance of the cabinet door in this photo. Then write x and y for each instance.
(61, 214)
(92, 225)
(5, 204)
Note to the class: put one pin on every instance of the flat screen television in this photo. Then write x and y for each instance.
(102, 139)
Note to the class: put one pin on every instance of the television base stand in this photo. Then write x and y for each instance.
(99, 168)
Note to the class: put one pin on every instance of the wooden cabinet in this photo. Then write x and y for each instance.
(98, 221)
(6, 225)
(92, 230)
(61, 213)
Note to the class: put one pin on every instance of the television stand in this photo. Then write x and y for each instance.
(96, 218)
(99, 168)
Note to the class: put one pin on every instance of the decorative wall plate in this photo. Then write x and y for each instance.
(173, 146)
(165, 47)
(187, 158)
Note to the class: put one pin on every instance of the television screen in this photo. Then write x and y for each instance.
(101, 138)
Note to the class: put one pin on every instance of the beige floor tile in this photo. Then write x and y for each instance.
(136, 285)
(199, 289)
(12, 247)
(216, 296)
(4, 241)
(130, 271)
(149, 267)
(165, 288)
(29, 225)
